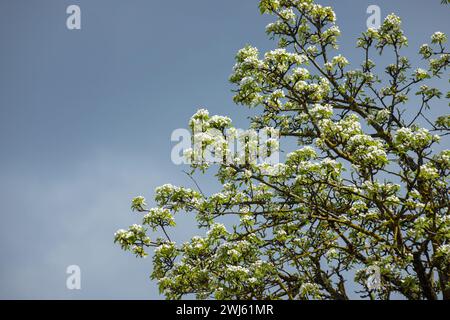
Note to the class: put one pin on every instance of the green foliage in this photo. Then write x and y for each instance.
(364, 188)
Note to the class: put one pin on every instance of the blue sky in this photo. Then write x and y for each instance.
(86, 117)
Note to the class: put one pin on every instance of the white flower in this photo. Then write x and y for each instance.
(237, 269)
(309, 289)
(438, 37)
(287, 14)
(300, 73)
(252, 280)
(421, 74)
(339, 61)
(331, 254)
(247, 174)
(428, 172)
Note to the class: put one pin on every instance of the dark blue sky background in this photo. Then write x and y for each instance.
(86, 118)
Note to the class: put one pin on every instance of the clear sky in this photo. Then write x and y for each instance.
(86, 117)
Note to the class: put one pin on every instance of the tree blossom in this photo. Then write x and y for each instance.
(364, 182)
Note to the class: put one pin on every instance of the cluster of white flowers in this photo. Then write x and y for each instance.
(331, 254)
(120, 233)
(420, 225)
(428, 171)
(420, 74)
(199, 117)
(247, 56)
(303, 154)
(196, 246)
(215, 141)
(219, 122)
(278, 26)
(390, 32)
(309, 289)
(339, 61)
(158, 217)
(366, 150)
(344, 129)
(314, 91)
(392, 200)
(238, 269)
(382, 115)
(269, 5)
(321, 111)
(367, 37)
(280, 235)
(136, 229)
(133, 239)
(133, 230)
(333, 31)
(217, 230)
(234, 254)
(393, 20)
(166, 190)
(319, 12)
(443, 159)
(444, 250)
(166, 249)
(426, 51)
(270, 169)
(300, 74)
(440, 62)
(287, 14)
(138, 204)
(371, 214)
(281, 58)
(416, 139)
(328, 162)
(252, 280)
(247, 219)
(439, 37)
(177, 197)
(274, 99)
(358, 207)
